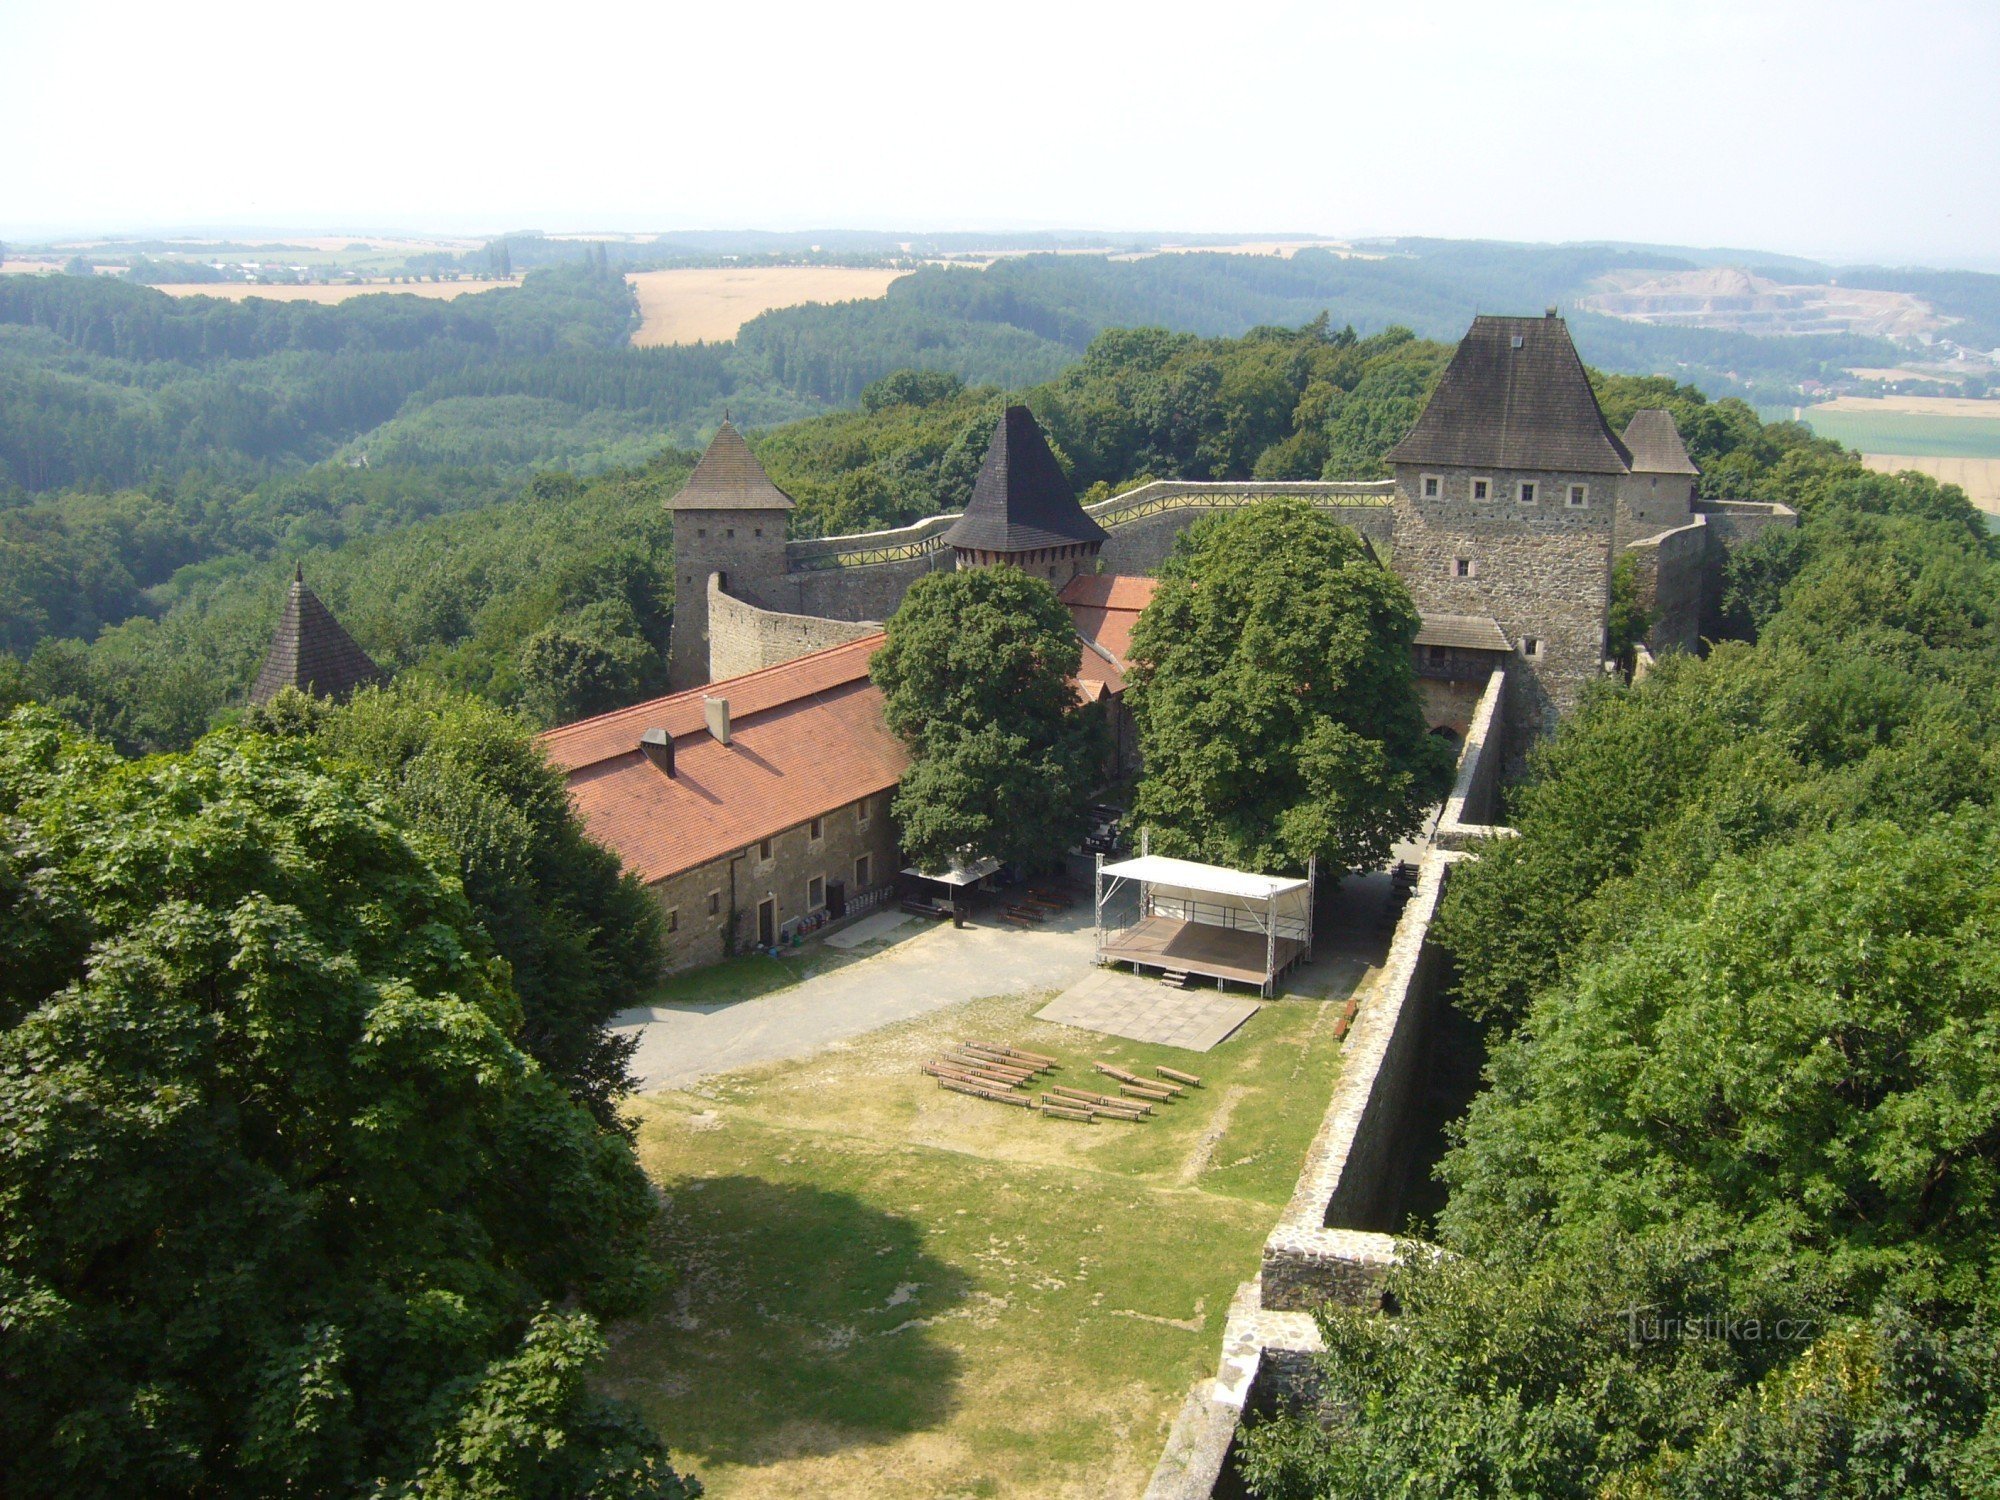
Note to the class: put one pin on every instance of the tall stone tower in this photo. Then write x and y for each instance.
(1023, 512)
(1507, 496)
(729, 519)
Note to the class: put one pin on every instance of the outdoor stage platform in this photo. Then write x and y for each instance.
(1236, 954)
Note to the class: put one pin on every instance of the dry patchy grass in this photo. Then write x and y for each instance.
(708, 305)
(885, 1289)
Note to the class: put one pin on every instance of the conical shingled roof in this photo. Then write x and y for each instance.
(1515, 396)
(1021, 501)
(312, 652)
(729, 478)
(1655, 444)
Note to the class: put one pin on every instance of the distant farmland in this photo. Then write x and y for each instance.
(1955, 441)
(709, 305)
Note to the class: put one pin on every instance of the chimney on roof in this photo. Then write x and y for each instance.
(1550, 313)
(658, 747)
(716, 712)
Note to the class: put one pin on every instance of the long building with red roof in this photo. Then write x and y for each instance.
(747, 806)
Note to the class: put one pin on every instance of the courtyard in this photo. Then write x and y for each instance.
(881, 1288)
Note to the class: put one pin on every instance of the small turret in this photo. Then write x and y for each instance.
(1023, 511)
(311, 651)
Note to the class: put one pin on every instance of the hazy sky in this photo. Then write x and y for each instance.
(1852, 129)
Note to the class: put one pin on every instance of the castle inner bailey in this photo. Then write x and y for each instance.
(1512, 504)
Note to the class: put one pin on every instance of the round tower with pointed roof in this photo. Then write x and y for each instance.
(1023, 511)
(729, 519)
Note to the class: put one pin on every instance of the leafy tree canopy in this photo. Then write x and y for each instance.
(283, 1206)
(977, 675)
(1277, 707)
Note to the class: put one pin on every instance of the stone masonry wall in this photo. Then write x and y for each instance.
(1673, 569)
(857, 591)
(746, 546)
(742, 637)
(1467, 815)
(1652, 503)
(1328, 1244)
(1732, 524)
(1543, 571)
(740, 881)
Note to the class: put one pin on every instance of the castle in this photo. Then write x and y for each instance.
(754, 800)
(1511, 503)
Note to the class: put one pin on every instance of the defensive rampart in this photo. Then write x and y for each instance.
(1331, 1244)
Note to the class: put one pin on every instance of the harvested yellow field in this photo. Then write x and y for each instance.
(1930, 406)
(708, 305)
(237, 291)
(1978, 477)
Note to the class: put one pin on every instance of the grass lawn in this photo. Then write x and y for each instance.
(885, 1289)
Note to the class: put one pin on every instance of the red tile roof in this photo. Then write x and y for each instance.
(1105, 608)
(806, 738)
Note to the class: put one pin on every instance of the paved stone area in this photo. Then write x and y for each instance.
(1146, 1010)
(918, 971)
(868, 929)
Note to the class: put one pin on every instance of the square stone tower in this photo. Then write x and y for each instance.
(1507, 495)
(729, 519)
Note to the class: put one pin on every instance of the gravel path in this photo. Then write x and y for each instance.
(917, 972)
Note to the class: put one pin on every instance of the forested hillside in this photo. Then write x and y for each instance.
(1722, 1220)
(143, 614)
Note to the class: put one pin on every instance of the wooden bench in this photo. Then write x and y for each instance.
(1085, 1097)
(1141, 1091)
(1041, 1059)
(979, 1093)
(1190, 1079)
(1065, 1114)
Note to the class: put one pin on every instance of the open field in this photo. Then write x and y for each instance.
(884, 1289)
(1978, 477)
(708, 305)
(1926, 406)
(238, 291)
(1956, 440)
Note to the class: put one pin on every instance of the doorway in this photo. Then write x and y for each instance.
(767, 923)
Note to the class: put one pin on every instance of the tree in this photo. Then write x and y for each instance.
(1277, 708)
(586, 662)
(978, 675)
(1628, 621)
(281, 1202)
(580, 937)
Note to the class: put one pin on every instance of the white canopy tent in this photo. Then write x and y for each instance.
(1212, 920)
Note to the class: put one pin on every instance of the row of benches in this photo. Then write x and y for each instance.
(989, 1070)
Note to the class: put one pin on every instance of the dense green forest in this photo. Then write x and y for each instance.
(1721, 1223)
(144, 613)
(153, 449)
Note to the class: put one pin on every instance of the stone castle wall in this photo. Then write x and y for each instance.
(1732, 524)
(744, 637)
(1330, 1244)
(1652, 503)
(745, 546)
(1673, 578)
(1542, 571)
